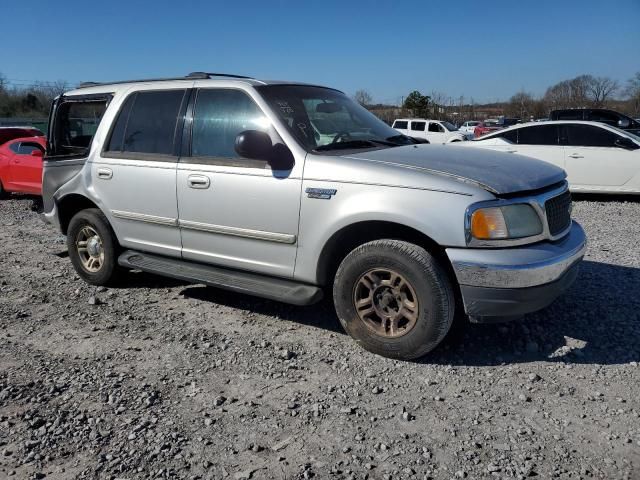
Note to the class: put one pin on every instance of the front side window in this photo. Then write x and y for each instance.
(75, 124)
(219, 116)
(435, 127)
(589, 136)
(538, 135)
(418, 126)
(324, 119)
(401, 124)
(147, 123)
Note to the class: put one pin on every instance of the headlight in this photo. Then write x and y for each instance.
(509, 221)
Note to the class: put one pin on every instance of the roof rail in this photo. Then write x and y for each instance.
(205, 75)
(191, 76)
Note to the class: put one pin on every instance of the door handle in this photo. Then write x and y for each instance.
(198, 181)
(105, 173)
(576, 155)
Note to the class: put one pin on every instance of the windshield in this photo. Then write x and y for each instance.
(449, 126)
(324, 119)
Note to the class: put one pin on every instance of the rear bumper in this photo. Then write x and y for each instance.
(51, 217)
(511, 282)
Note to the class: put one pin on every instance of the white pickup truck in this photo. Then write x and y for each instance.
(435, 131)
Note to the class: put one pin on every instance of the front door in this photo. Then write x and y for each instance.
(235, 212)
(593, 162)
(436, 133)
(135, 176)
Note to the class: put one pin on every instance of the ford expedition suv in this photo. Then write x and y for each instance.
(286, 191)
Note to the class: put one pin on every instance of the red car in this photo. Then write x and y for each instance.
(21, 152)
(486, 127)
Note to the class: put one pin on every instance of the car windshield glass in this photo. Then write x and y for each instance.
(450, 126)
(322, 118)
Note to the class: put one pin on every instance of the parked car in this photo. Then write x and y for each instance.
(21, 162)
(468, 127)
(10, 133)
(435, 131)
(596, 156)
(610, 117)
(221, 180)
(492, 125)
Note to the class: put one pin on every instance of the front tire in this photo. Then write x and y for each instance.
(93, 247)
(394, 299)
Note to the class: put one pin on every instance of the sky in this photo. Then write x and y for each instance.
(485, 50)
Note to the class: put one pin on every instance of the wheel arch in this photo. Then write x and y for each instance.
(343, 241)
(71, 204)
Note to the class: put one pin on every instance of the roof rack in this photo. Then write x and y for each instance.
(191, 76)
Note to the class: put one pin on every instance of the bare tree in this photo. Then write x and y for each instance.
(521, 105)
(600, 89)
(632, 92)
(363, 97)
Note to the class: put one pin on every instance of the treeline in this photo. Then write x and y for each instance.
(31, 101)
(582, 91)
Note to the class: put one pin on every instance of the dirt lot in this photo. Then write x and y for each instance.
(159, 379)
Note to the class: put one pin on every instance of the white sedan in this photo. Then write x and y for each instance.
(598, 158)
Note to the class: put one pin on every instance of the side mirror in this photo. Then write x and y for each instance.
(253, 144)
(624, 123)
(626, 143)
(37, 153)
(257, 145)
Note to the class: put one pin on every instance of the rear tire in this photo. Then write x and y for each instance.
(394, 299)
(93, 248)
(3, 192)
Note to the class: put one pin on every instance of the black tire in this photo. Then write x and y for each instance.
(3, 192)
(428, 280)
(109, 270)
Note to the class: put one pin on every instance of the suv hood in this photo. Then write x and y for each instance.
(497, 172)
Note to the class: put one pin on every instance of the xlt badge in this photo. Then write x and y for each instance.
(321, 193)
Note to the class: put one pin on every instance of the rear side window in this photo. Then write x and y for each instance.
(589, 136)
(219, 116)
(147, 123)
(418, 126)
(510, 135)
(26, 148)
(538, 135)
(75, 124)
(401, 124)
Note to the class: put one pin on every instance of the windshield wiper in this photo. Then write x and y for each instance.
(394, 140)
(346, 145)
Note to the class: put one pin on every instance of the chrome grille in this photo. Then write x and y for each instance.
(558, 211)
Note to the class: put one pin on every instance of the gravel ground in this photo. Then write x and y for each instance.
(159, 379)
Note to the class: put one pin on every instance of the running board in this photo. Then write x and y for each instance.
(272, 288)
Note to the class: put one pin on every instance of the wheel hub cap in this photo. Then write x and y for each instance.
(386, 302)
(90, 249)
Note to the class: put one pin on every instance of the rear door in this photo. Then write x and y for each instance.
(235, 212)
(594, 162)
(418, 129)
(540, 142)
(135, 174)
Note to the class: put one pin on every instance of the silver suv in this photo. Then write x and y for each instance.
(285, 191)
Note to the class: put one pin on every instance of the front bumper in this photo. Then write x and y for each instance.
(510, 282)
